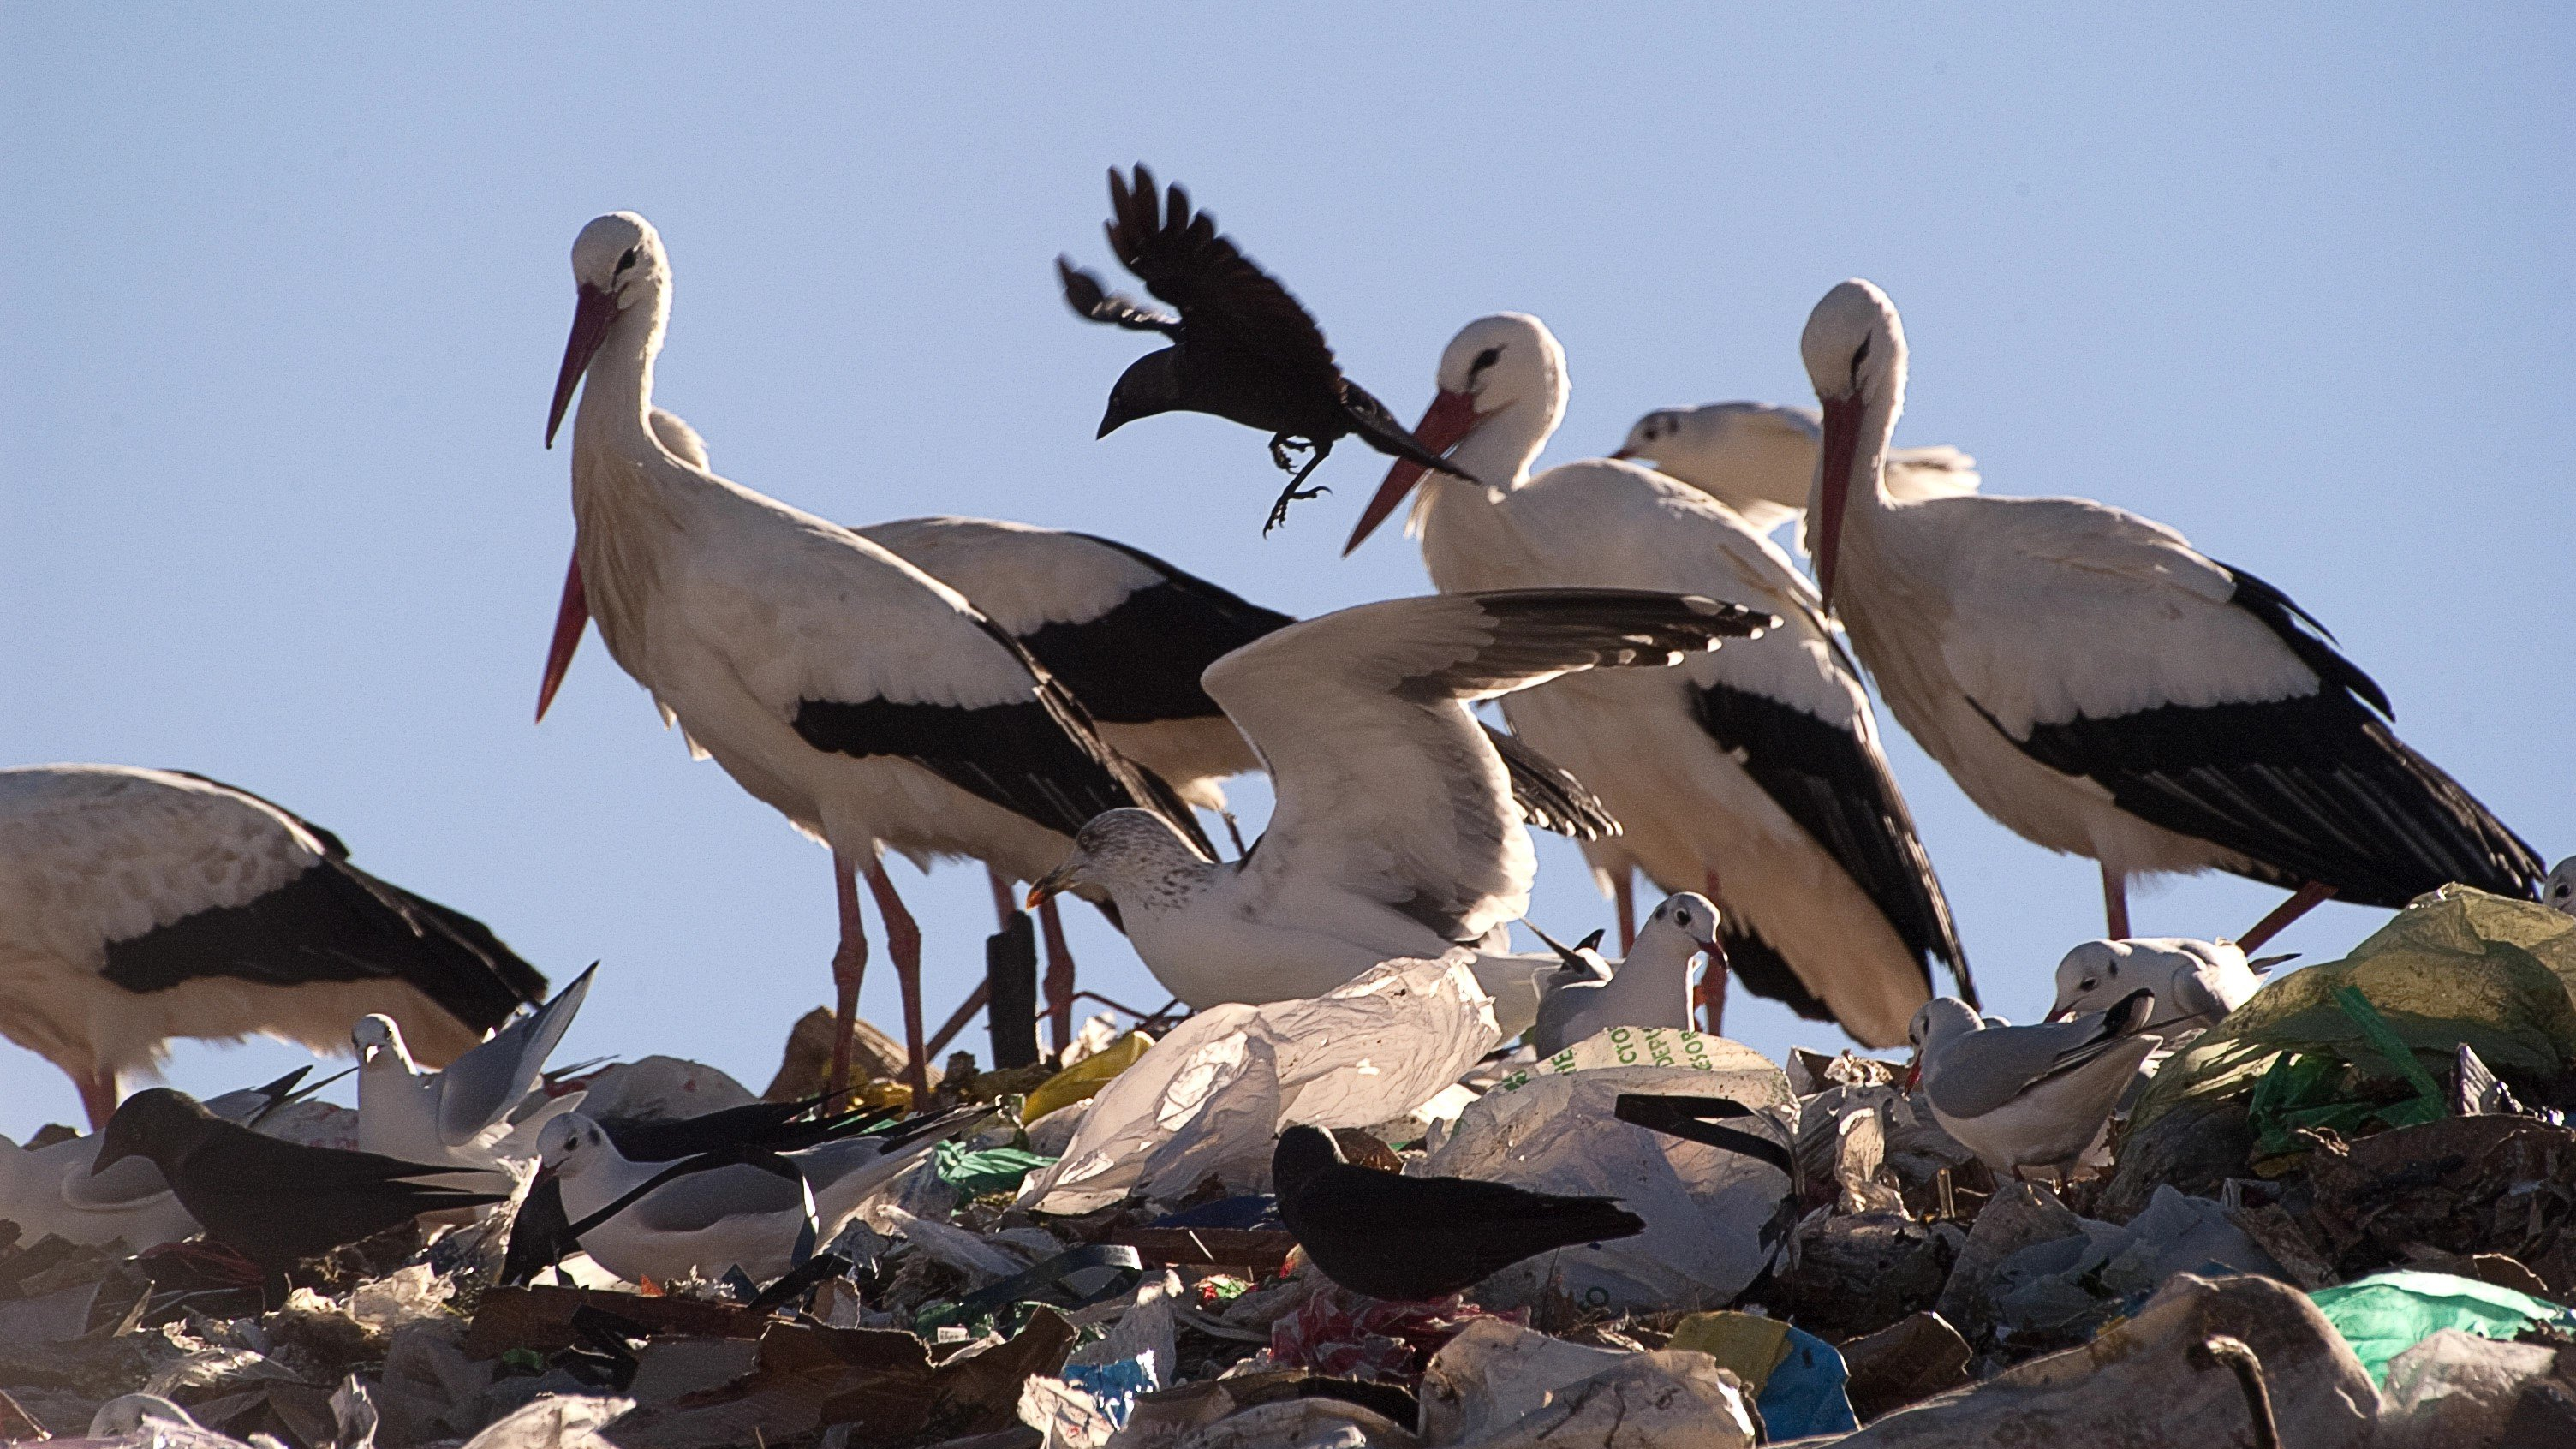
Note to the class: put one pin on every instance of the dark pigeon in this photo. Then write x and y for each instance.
(1242, 348)
(1413, 1239)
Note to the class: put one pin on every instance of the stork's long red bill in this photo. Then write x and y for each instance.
(570, 617)
(1451, 417)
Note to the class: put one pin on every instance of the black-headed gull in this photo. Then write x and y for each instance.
(2028, 1096)
(735, 1216)
(463, 1114)
(2196, 983)
(1649, 988)
(2560, 892)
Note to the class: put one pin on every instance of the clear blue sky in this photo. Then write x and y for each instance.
(282, 291)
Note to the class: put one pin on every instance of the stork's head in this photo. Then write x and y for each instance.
(569, 1143)
(1507, 364)
(1854, 348)
(379, 1041)
(617, 265)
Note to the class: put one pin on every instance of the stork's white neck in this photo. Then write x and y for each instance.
(1506, 442)
(1467, 541)
(617, 392)
(627, 490)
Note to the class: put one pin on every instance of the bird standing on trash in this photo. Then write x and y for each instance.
(141, 905)
(2196, 983)
(463, 1115)
(1395, 834)
(275, 1203)
(56, 1191)
(2029, 1096)
(862, 698)
(2104, 689)
(732, 1216)
(1411, 1239)
(1650, 988)
(1242, 348)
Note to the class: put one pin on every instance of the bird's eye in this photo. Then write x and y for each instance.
(1485, 359)
(628, 260)
(1860, 354)
(2088, 984)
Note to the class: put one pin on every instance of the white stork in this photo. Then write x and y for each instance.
(860, 697)
(2104, 689)
(1395, 833)
(1759, 459)
(1755, 773)
(141, 905)
(1129, 635)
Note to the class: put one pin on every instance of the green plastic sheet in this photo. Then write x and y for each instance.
(2459, 965)
(2385, 1314)
(986, 1170)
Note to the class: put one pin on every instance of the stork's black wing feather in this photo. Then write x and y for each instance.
(1837, 790)
(2315, 787)
(1548, 794)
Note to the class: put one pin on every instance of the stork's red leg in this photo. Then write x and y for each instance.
(2115, 904)
(1623, 899)
(1709, 1001)
(1059, 975)
(903, 943)
(1006, 901)
(98, 1097)
(2306, 899)
(849, 965)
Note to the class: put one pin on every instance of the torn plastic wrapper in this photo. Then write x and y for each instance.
(1209, 1099)
(2384, 1315)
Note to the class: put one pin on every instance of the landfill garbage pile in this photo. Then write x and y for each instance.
(2345, 1215)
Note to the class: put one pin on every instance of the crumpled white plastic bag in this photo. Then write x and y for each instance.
(1707, 1210)
(1209, 1098)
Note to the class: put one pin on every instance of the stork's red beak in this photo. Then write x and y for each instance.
(1914, 1074)
(569, 619)
(1452, 417)
(592, 313)
(1841, 448)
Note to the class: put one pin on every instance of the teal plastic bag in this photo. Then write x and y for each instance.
(2385, 1314)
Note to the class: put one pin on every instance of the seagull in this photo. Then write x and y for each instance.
(51, 1191)
(463, 1114)
(2104, 689)
(1242, 348)
(1649, 988)
(2028, 1096)
(1394, 834)
(2196, 983)
(735, 1216)
(540, 1233)
(1412, 1239)
(275, 1203)
(1759, 459)
(868, 702)
(1755, 775)
(2561, 892)
(141, 905)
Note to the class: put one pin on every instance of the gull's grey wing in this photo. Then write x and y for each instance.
(1560, 997)
(479, 1088)
(1980, 1071)
(703, 1199)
